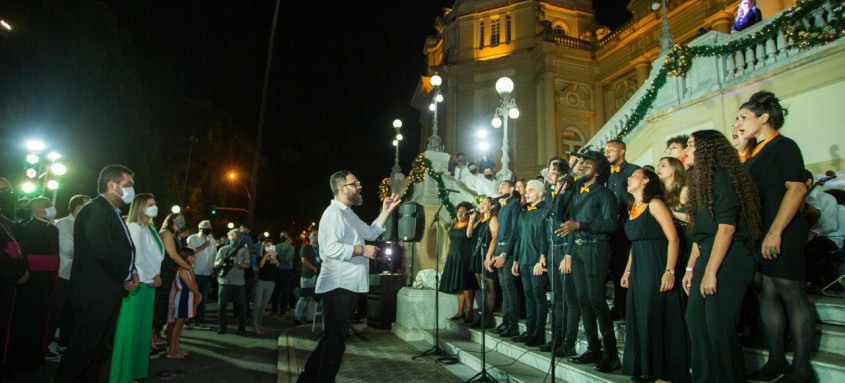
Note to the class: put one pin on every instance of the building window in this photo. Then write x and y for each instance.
(481, 35)
(495, 30)
(571, 140)
(508, 29)
(559, 31)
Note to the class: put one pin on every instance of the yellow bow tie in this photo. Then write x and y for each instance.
(504, 202)
(614, 169)
(585, 189)
(532, 207)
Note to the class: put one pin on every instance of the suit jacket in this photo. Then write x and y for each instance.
(102, 254)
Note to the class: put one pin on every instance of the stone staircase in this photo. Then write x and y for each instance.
(508, 361)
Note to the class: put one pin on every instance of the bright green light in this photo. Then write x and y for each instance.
(58, 169)
(32, 158)
(28, 187)
(52, 184)
(31, 173)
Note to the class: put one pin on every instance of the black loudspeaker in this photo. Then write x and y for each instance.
(391, 230)
(411, 222)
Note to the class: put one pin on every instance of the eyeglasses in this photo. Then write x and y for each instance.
(356, 184)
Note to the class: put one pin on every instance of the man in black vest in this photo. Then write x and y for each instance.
(620, 170)
(103, 272)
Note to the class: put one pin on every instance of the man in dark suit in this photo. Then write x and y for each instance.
(103, 272)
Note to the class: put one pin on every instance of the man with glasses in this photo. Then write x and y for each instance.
(675, 147)
(344, 273)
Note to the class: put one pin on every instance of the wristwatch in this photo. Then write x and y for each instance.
(670, 271)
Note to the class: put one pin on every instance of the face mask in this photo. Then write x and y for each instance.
(268, 249)
(489, 176)
(151, 211)
(180, 224)
(473, 171)
(206, 231)
(128, 195)
(50, 213)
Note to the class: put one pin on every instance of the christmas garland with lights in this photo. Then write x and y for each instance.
(797, 33)
(420, 168)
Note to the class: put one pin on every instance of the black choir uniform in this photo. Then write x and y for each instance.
(533, 240)
(716, 351)
(619, 244)
(506, 243)
(594, 208)
(567, 311)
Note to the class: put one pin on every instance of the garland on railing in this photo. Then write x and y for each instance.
(797, 33)
(419, 169)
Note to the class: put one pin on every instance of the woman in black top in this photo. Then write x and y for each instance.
(724, 217)
(777, 167)
(482, 230)
(457, 277)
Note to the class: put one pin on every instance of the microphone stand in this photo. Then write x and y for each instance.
(435, 349)
(483, 375)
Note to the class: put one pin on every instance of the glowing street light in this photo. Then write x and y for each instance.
(506, 110)
(233, 176)
(434, 142)
(176, 209)
(52, 184)
(28, 187)
(5, 25)
(35, 145)
(266, 234)
(230, 225)
(32, 158)
(53, 156)
(397, 124)
(58, 169)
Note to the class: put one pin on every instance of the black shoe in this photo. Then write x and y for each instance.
(565, 352)
(586, 358)
(501, 327)
(521, 337)
(769, 371)
(608, 366)
(536, 341)
(509, 333)
(548, 346)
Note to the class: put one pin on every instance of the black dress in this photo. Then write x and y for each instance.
(780, 161)
(457, 275)
(479, 251)
(655, 334)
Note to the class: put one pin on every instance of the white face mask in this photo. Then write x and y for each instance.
(151, 211)
(128, 194)
(50, 213)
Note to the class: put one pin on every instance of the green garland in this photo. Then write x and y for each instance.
(679, 59)
(420, 168)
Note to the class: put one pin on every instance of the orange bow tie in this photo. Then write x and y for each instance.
(532, 207)
(615, 169)
(585, 189)
(504, 202)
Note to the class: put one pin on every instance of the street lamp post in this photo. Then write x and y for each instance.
(506, 110)
(397, 124)
(666, 39)
(234, 177)
(434, 142)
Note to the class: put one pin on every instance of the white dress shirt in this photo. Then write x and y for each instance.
(203, 260)
(148, 252)
(65, 226)
(828, 224)
(340, 231)
(487, 187)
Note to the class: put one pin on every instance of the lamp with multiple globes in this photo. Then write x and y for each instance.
(397, 124)
(434, 142)
(38, 174)
(506, 110)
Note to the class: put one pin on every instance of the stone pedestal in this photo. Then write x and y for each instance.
(415, 312)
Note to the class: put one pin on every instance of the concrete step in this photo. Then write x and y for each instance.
(829, 309)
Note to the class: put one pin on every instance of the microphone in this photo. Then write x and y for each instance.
(452, 190)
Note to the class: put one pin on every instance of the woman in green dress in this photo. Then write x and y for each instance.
(130, 359)
(656, 345)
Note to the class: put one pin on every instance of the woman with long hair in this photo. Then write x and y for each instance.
(519, 191)
(482, 230)
(655, 340)
(168, 232)
(130, 359)
(457, 277)
(673, 175)
(724, 212)
(777, 167)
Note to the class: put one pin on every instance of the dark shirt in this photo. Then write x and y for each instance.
(618, 184)
(561, 202)
(532, 235)
(780, 161)
(594, 211)
(11, 269)
(727, 211)
(508, 219)
(312, 254)
(753, 16)
(268, 271)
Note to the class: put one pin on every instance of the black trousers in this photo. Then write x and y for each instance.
(338, 308)
(589, 273)
(620, 248)
(536, 305)
(93, 323)
(510, 296)
(567, 311)
(237, 295)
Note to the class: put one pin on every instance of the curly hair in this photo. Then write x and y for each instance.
(713, 152)
(680, 140)
(465, 205)
(673, 195)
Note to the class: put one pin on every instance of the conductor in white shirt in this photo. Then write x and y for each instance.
(344, 273)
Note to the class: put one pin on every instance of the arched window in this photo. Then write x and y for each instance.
(572, 140)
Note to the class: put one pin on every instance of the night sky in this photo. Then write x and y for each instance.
(341, 72)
